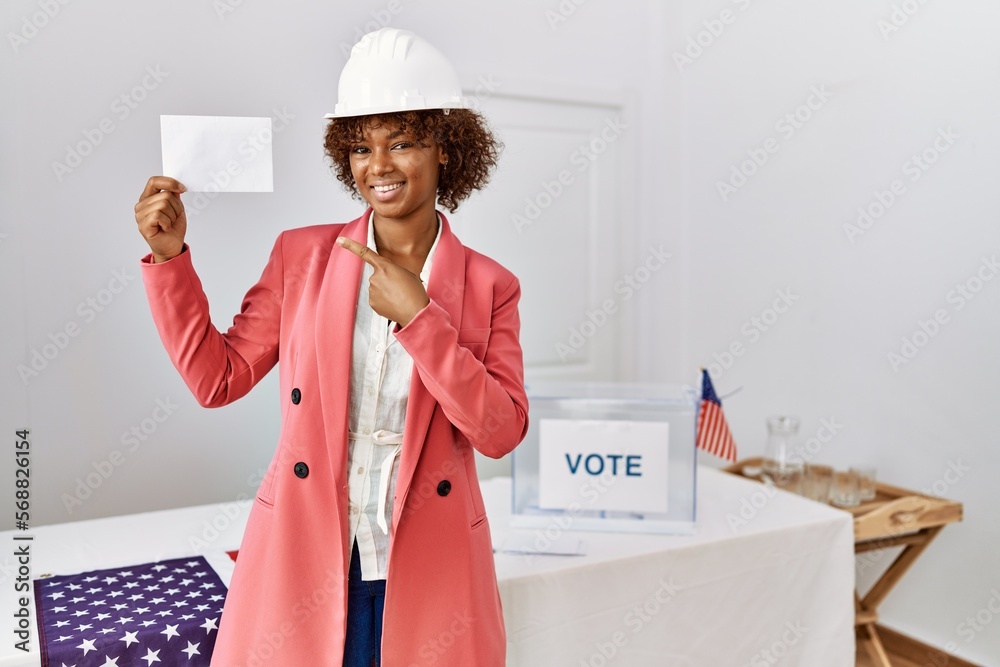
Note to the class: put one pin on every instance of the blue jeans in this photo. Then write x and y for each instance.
(365, 601)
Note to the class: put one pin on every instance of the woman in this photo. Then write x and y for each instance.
(399, 348)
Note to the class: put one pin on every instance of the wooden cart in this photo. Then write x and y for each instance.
(895, 518)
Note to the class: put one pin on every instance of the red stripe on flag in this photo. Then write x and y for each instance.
(713, 432)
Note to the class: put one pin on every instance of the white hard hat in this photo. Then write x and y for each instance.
(395, 70)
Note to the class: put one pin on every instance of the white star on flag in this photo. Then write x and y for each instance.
(130, 638)
(87, 646)
(192, 649)
(151, 657)
(171, 631)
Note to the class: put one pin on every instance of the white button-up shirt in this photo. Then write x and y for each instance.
(380, 385)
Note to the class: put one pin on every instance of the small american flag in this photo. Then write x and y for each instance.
(164, 613)
(713, 431)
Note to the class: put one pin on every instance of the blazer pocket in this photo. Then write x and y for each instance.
(265, 492)
(475, 341)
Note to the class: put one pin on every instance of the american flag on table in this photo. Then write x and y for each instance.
(713, 431)
(164, 614)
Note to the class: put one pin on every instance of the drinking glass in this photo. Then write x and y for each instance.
(866, 477)
(846, 488)
(816, 482)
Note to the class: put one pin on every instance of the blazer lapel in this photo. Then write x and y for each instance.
(446, 288)
(334, 321)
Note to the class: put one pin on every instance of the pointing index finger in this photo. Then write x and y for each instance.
(362, 251)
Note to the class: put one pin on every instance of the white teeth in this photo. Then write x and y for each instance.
(387, 188)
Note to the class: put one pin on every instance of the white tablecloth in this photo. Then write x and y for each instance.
(767, 580)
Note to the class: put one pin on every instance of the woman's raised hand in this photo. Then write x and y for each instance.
(161, 217)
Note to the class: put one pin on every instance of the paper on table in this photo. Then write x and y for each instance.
(218, 153)
(563, 545)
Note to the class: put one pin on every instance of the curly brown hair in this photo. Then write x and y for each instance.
(463, 134)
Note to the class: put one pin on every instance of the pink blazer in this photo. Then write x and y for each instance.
(287, 600)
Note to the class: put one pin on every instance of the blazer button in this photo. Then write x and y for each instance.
(296, 396)
(301, 470)
(444, 487)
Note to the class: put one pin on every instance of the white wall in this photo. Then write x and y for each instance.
(926, 422)
(61, 241)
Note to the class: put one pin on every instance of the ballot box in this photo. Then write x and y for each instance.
(607, 456)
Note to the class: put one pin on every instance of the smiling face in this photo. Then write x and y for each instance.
(396, 173)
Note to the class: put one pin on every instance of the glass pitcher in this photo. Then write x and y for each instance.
(783, 465)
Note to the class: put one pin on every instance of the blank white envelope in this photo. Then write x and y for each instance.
(218, 153)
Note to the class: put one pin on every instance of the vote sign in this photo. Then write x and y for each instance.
(611, 465)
